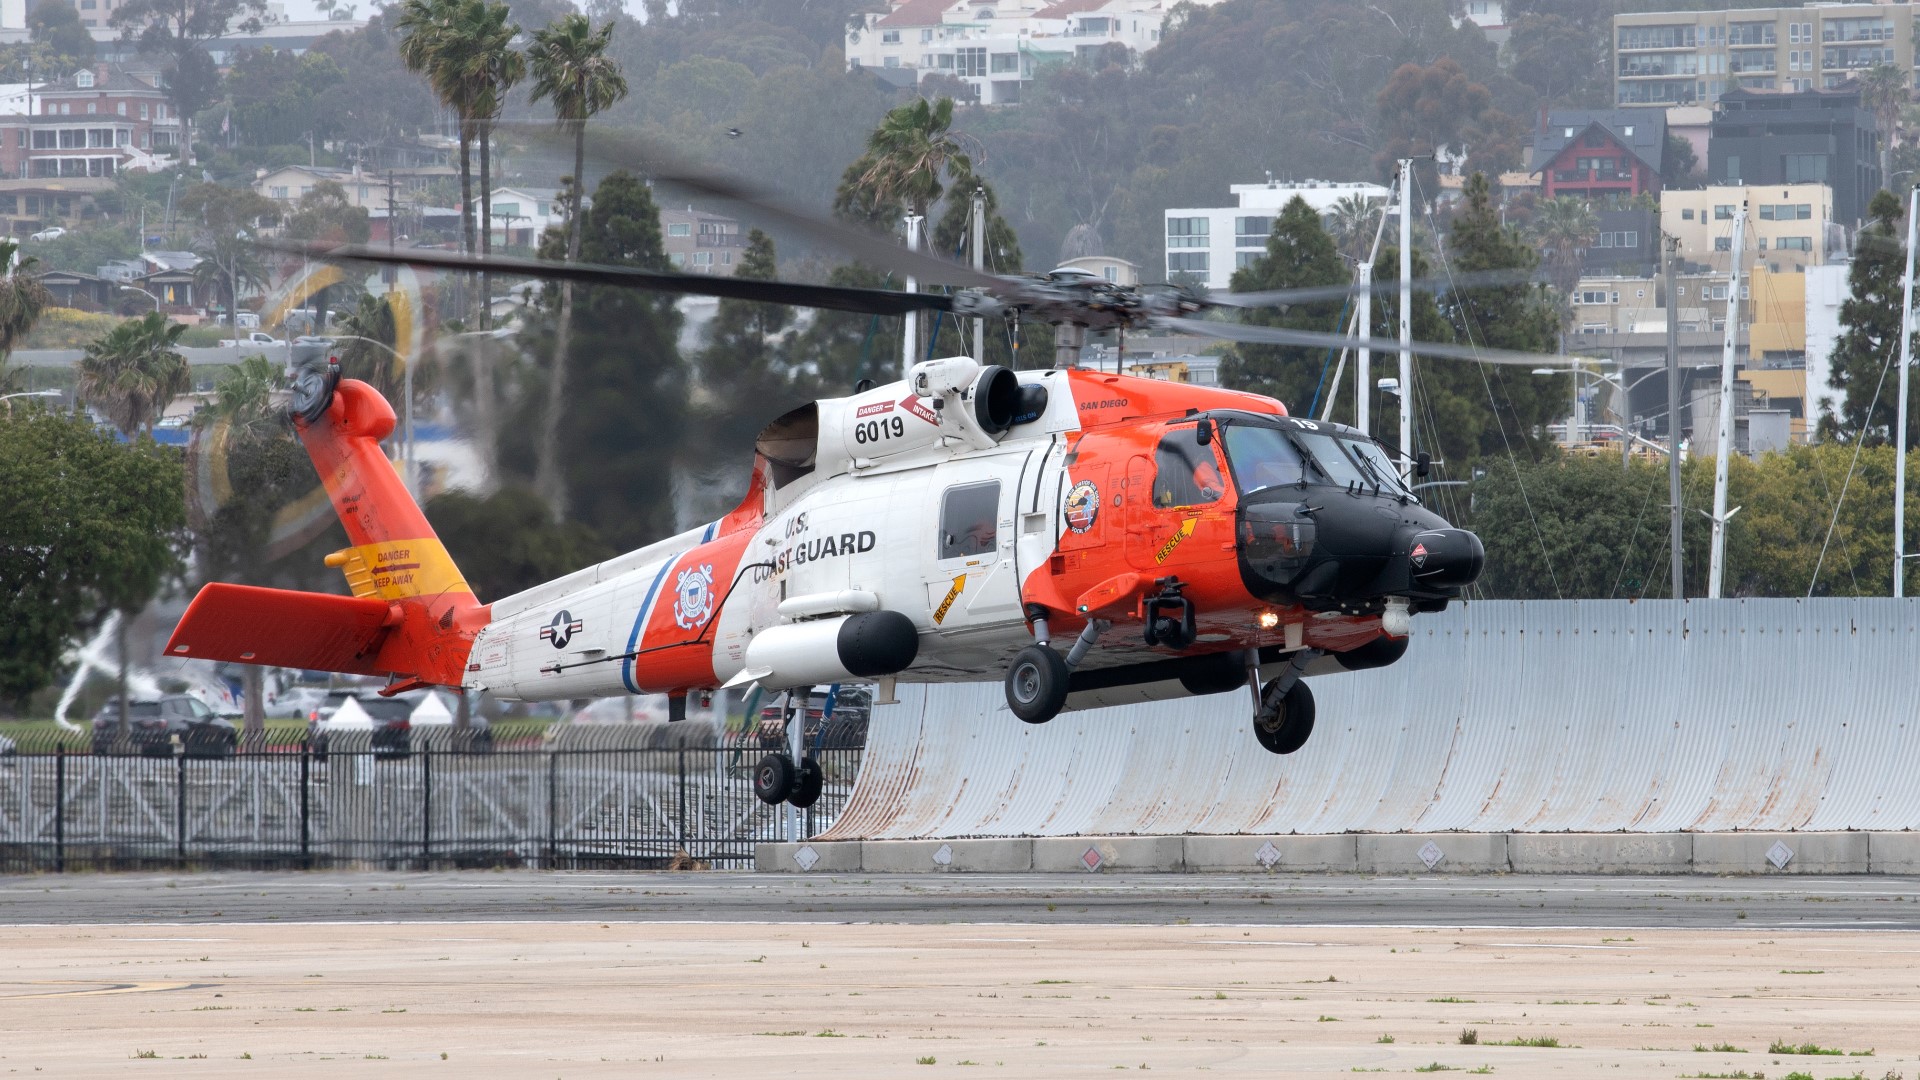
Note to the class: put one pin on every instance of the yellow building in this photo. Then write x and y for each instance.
(1786, 231)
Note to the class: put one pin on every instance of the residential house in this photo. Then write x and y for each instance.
(996, 46)
(1207, 244)
(1769, 137)
(91, 124)
(701, 243)
(522, 214)
(1789, 226)
(1107, 267)
(1601, 156)
(73, 289)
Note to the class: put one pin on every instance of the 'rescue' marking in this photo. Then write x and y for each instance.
(940, 613)
(1166, 549)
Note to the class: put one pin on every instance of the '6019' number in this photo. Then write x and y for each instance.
(876, 430)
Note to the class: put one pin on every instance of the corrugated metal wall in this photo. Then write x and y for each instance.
(1504, 717)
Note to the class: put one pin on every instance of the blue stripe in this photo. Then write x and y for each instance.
(640, 622)
(707, 537)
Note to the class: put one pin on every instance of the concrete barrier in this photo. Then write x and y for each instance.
(807, 858)
(1754, 853)
(1780, 853)
(1439, 853)
(1600, 853)
(1277, 853)
(919, 856)
(1893, 853)
(1133, 854)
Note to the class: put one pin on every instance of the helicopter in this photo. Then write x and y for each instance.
(1088, 538)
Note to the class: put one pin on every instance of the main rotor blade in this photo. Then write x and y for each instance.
(1310, 294)
(836, 297)
(662, 166)
(1275, 335)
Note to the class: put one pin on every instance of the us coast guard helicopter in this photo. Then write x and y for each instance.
(1090, 539)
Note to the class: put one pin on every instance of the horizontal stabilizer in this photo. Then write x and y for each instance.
(282, 628)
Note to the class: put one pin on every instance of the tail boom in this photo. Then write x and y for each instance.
(412, 616)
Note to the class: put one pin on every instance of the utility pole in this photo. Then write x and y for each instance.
(1716, 565)
(910, 340)
(1406, 317)
(1673, 419)
(1900, 440)
(980, 264)
(1363, 362)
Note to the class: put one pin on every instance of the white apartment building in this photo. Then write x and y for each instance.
(1789, 226)
(1206, 245)
(996, 46)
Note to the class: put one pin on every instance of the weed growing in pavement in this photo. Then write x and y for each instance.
(1435, 1067)
(1469, 1036)
(1384, 1039)
(928, 1060)
(1781, 1046)
(1717, 1048)
(1542, 1041)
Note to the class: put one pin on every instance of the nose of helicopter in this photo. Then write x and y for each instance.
(1338, 550)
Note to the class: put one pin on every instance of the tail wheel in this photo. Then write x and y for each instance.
(1037, 684)
(806, 790)
(1284, 721)
(774, 778)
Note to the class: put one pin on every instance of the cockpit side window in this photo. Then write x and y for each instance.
(1185, 472)
(968, 520)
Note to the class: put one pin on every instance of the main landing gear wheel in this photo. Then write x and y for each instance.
(1284, 720)
(1037, 684)
(806, 790)
(774, 778)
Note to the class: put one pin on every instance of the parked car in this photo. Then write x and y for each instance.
(152, 727)
(258, 338)
(390, 719)
(54, 233)
(297, 702)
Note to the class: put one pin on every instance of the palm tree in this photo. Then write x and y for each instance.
(1884, 90)
(1564, 226)
(22, 299)
(244, 395)
(133, 371)
(906, 154)
(571, 66)
(1350, 221)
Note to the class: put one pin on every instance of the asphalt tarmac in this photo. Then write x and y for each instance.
(1731, 903)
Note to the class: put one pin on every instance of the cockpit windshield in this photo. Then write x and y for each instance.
(1264, 457)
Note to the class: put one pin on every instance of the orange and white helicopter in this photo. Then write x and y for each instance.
(1092, 539)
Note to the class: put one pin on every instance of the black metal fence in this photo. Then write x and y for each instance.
(637, 808)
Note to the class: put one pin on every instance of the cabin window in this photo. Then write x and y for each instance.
(969, 520)
(1185, 472)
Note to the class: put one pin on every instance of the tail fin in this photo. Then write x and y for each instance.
(412, 615)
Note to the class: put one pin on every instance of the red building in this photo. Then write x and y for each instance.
(90, 124)
(1601, 156)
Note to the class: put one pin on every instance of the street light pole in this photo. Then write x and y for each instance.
(1673, 421)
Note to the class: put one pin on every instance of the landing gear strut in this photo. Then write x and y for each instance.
(1284, 719)
(776, 779)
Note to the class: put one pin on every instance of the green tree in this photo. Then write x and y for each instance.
(1440, 108)
(132, 372)
(1352, 222)
(244, 396)
(22, 298)
(366, 350)
(1484, 409)
(274, 96)
(106, 518)
(1887, 91)
(436, 43)
(64, 46)
(1564, 226)
(743, 384)
(506, 542)
(625, 418)
(179, 30)
(1574, 527)
(901, 171)
(1299, 254)
(325, 214)
(228, 220)
(1680, 166)
(376, 99)
(1864, 354)
(570, 65)
(1561, 60)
